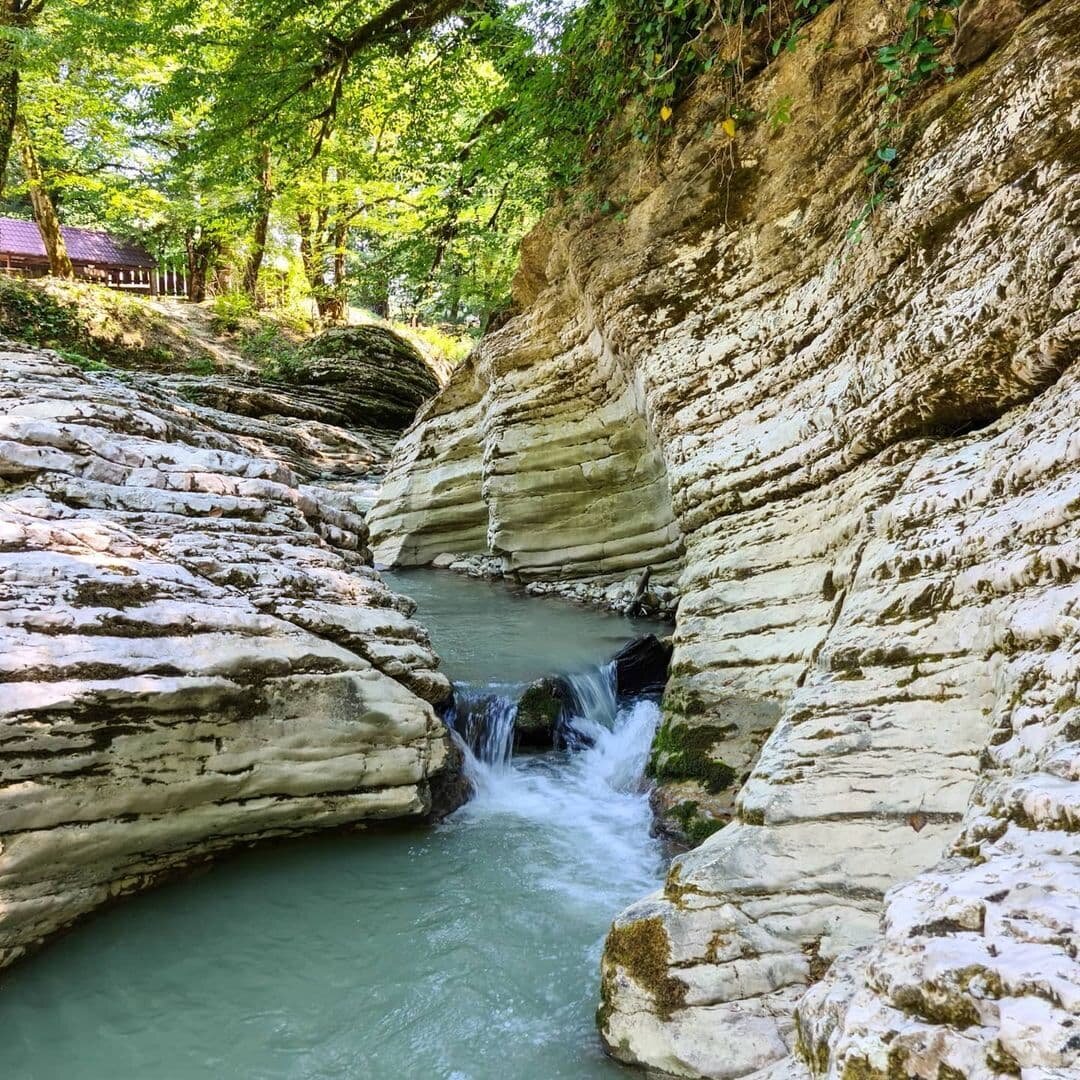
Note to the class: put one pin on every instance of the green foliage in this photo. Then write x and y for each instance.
(230, 310)
(201, 365)
(81, 361)
(623, 66)
(915, 58)
(92, 324)
(28, 313)
(779, 112)
(442, 341)
(276, 353)
(390, 157)
(790, 38)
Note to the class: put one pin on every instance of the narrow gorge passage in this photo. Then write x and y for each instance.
(467, 951)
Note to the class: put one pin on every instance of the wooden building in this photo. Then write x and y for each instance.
(95, 255)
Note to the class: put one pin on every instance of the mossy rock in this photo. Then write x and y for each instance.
(683, 751)
(642, 949)
(384, 376)
(696, 826)
(539, 710)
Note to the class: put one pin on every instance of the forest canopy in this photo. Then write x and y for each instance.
(357, 152)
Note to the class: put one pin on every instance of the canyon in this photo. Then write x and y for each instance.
(852, 451)
(816, 396)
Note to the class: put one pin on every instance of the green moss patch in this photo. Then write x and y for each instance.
(696, 827)
(684, 752)
(643, 950)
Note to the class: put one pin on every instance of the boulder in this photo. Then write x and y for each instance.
(641, 667)
(539, 710)
(381, 378)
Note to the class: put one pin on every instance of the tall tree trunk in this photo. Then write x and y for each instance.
(44, 212)
(455, 294)
(202, 250)
(310, 256)
(263, 205)
(313, 256)
(19, 14)
(9, 106)
(336, 307)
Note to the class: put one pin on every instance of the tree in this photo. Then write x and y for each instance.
(263, 205)
(44, 211)
(16, 16)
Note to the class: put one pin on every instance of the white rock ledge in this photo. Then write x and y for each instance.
(194, 652)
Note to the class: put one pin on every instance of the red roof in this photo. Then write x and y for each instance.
(83, 245)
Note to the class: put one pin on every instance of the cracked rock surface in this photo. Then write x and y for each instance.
(862, 464)
(194, 650)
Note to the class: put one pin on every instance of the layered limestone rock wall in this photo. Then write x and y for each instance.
(864, 459)
(194, 650)
(538, 451)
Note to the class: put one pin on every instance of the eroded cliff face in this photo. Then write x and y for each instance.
(194, 651)
(862, 460)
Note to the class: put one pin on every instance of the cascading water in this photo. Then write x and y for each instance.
(469, 951)
(589, 800)
(593, 707)
(483, 717)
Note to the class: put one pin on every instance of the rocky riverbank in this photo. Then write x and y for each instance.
(195, 650)
(857, 464)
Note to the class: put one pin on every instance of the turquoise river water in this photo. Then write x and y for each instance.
(466, 951)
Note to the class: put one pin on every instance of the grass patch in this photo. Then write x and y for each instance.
(90, 326)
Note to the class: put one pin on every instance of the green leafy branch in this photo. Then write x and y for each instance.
(916, 58)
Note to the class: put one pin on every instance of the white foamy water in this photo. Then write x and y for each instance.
(591, 802)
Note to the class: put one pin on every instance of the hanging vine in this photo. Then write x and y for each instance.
(917, 57)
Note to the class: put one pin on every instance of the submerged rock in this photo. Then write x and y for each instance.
(861, 459)
(194, 653)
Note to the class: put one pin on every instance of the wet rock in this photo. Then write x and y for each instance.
(477, 566)
(539, 710)
(685, 815)
(449, 788)
(641, 667)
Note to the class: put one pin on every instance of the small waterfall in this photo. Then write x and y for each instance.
(483, 716)
(592, 707)
(589, 805)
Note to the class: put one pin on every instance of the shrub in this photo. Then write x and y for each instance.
(229, 310)
(275, 353)
(86, 363)
(201, 365)
(30, 314)
(450, 346)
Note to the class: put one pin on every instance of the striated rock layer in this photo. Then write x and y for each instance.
(864, 459)
(194, 651)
